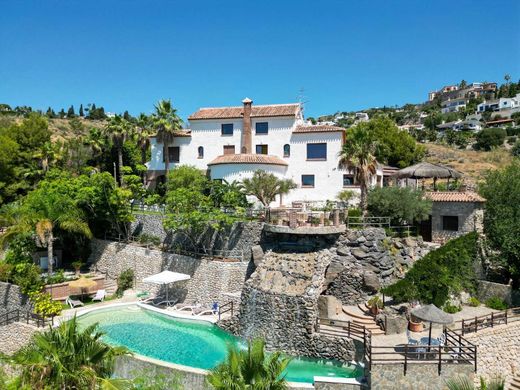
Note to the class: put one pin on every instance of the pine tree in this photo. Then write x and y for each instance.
(62, 113)
(70, 112)
(50, 113)
(127, 116)
(81, 113)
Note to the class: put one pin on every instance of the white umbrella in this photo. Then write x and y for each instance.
(166, 277)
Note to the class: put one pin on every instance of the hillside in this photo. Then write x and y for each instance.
(473, 164)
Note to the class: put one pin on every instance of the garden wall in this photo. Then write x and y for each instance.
(234, 242)
(418, 376)
(498, 350)
(11, 298)
(487, 290)
(210, 279)
(60, 291)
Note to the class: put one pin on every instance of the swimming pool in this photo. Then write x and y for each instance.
(191, 343)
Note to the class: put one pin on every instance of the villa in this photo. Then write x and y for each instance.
(231, 143)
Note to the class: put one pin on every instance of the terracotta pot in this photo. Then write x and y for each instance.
(415, 326)
(374, 310)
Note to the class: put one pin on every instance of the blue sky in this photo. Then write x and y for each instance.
(347, 55)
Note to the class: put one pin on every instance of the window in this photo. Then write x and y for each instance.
(317, 151)
(450, 223)
(287, 150)
(261, 149)
(308, 181)
(201, 152)
(348, 180)
(227, 129)
(173, 154)
(229, 149)
(262, 128)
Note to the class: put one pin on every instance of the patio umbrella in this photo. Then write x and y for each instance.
(432, 314)
(166, 277)
(83, 284)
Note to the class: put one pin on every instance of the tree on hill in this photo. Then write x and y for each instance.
(81, 113)
(119, 130)
(490, 138)
(70, 112)
(50, 113)
(61, 114)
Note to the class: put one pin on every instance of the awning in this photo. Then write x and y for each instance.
(166, 277)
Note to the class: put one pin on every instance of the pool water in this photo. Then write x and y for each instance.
(191, 343)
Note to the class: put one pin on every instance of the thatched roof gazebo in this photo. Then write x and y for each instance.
(426, 170)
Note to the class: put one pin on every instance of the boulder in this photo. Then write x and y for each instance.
(394, 325)
(258, 254)
(410, 242)
(371, 282)
(343, 251)
(359, 254)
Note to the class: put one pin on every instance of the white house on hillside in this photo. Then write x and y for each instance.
(231, 143)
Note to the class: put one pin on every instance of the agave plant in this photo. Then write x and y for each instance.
(67, 357)
(250, 369)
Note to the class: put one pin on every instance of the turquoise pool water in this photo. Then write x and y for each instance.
(191, 343)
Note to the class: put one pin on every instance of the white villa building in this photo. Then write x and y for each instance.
(231, 143)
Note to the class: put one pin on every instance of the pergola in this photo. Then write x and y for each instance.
(426, 170)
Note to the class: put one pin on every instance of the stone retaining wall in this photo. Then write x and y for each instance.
(487, 290)
(60, 291)
(15, 336)
(210, 279)
(498, 350)
(11, 298)
(418, 376)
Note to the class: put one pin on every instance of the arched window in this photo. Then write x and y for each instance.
(201, 152)
(287, 150)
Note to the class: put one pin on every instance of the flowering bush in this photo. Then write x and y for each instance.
(44, 305)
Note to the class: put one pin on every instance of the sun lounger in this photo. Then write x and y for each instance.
(73, 302)
(186, 306)
(100, 296)
(152, 298)
(205, 311)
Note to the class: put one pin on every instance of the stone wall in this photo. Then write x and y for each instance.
(487, 290)
(418, 376)
(498, 350)
(234, 242)
(15, 336)
(280, 304)
(210, 279)
(365, 260)
(470, 219)
(60, 291)
(11, 298)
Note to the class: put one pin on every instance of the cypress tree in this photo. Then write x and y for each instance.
(62, 113)
(70, 112)
(81, 113)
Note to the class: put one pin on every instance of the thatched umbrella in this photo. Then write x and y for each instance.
(83, 284)
(432, 314)
(426, 170)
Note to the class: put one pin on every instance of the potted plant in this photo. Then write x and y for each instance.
(77, 266)
(375, 304)
(415, 326)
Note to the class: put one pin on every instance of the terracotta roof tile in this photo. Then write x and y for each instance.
(238, 112)
(454, 196)
(248, 159)
(317, 129)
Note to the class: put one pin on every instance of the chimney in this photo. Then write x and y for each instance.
(247, 139)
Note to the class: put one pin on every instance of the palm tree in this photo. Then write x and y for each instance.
(250, 369)
(119, 130)
(167, 124)
(465, 383)
(97, 142)
(67, 357)
(265, 186)
(44, 212)
(358, 153)
(143, 134)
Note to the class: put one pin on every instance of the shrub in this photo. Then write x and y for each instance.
(125, 281)
(402, 205)
(44, 305)
(28, 277)
(145, 238)
(449, 308)
(57, 277)
(5, 272)
(513, 131)
(444, 271)
(77, 265)
(488, 139)
(515, 150)
(474, 302)
(496, 303)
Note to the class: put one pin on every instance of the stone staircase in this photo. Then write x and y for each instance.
(515, 383)
(360, 315)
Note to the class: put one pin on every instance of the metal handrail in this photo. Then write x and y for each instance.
(229, 306)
